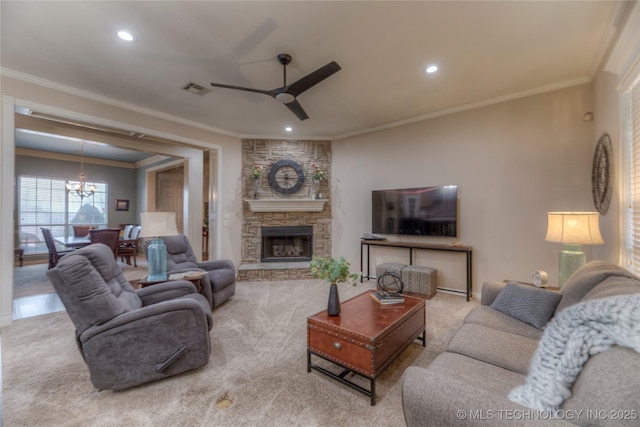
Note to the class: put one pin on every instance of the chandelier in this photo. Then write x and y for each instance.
(80, 189)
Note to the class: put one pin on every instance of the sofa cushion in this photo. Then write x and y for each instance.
(612, 286)
(491, 318)
(446, 393)
(588, 277)
(489, 378)
(527, 303)
(609, 380)
(574, 335)
(509, 351)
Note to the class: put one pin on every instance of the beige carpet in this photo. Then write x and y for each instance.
(258, 362)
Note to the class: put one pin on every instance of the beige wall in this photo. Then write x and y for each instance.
(87, 107)
(231, 147)
(513, 162)
(607, 120)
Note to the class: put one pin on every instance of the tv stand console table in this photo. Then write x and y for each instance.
(468, 250)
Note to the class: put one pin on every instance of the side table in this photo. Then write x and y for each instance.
(143, 282)
(547, 287)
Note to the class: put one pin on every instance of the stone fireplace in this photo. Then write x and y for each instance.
(280, 233)
(287, 244)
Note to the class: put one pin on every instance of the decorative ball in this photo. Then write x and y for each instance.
(391, 283)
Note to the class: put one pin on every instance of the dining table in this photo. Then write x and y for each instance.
(73, 242)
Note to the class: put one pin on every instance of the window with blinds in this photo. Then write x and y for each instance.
(632, 125)
(44, 202)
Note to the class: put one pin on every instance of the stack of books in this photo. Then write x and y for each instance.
(187, 275)
(386, 298)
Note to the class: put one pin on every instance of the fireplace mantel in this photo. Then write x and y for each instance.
(286, 205)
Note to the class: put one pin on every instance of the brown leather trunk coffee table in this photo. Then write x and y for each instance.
(365, 338)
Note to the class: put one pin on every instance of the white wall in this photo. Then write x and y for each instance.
(513, 162)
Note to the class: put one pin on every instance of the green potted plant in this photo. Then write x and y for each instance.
(334, 271)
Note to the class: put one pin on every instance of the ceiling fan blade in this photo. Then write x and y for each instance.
(313, 79)
(297, 109)
(246, 89)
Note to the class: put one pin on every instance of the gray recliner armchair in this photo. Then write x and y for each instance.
(130, 337)
(218, 285)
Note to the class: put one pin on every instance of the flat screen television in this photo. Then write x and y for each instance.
(425, 211)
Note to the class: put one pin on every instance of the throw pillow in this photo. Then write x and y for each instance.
(528, 304)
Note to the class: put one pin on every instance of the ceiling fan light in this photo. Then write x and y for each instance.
(285, 97)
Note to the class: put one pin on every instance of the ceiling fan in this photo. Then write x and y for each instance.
(287, 93)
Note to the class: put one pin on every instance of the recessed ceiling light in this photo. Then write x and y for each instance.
(288, 128)
(432, 69)
(125, 35)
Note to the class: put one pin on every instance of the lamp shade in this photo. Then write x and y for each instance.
(580, 228)
(156, 224)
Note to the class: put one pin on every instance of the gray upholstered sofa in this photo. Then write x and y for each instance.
(493, 353)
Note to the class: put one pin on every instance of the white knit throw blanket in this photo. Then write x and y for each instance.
(576, 333)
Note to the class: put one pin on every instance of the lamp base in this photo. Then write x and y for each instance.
(571, 259)
(157, 260)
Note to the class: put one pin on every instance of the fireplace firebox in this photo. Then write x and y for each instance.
(287, 244)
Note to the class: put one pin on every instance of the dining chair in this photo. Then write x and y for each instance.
(106, 236)
(80, 230)
(54, 253)
(126, 231)
(128, 248)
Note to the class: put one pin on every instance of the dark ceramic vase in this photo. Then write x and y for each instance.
(333, 307)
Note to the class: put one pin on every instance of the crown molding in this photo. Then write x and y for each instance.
(287, 137)
(625, 55)
(151, 160)
(72, 158)
(109, 101)
(467, 107)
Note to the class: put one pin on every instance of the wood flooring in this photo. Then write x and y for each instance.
(36, 305)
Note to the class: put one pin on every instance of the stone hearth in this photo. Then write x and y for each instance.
(276, 210)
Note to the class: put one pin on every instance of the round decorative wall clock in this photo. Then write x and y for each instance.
(601, 174)
(286, 177)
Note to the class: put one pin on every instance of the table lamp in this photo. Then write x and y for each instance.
(573, 229)
(155, 224)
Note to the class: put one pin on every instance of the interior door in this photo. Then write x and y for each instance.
(170, 193)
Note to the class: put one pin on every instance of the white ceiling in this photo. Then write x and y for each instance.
(486, 51)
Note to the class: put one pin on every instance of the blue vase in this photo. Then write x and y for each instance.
(333, 307)
(157, 260)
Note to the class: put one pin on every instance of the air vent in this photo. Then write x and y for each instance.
(196, 89)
